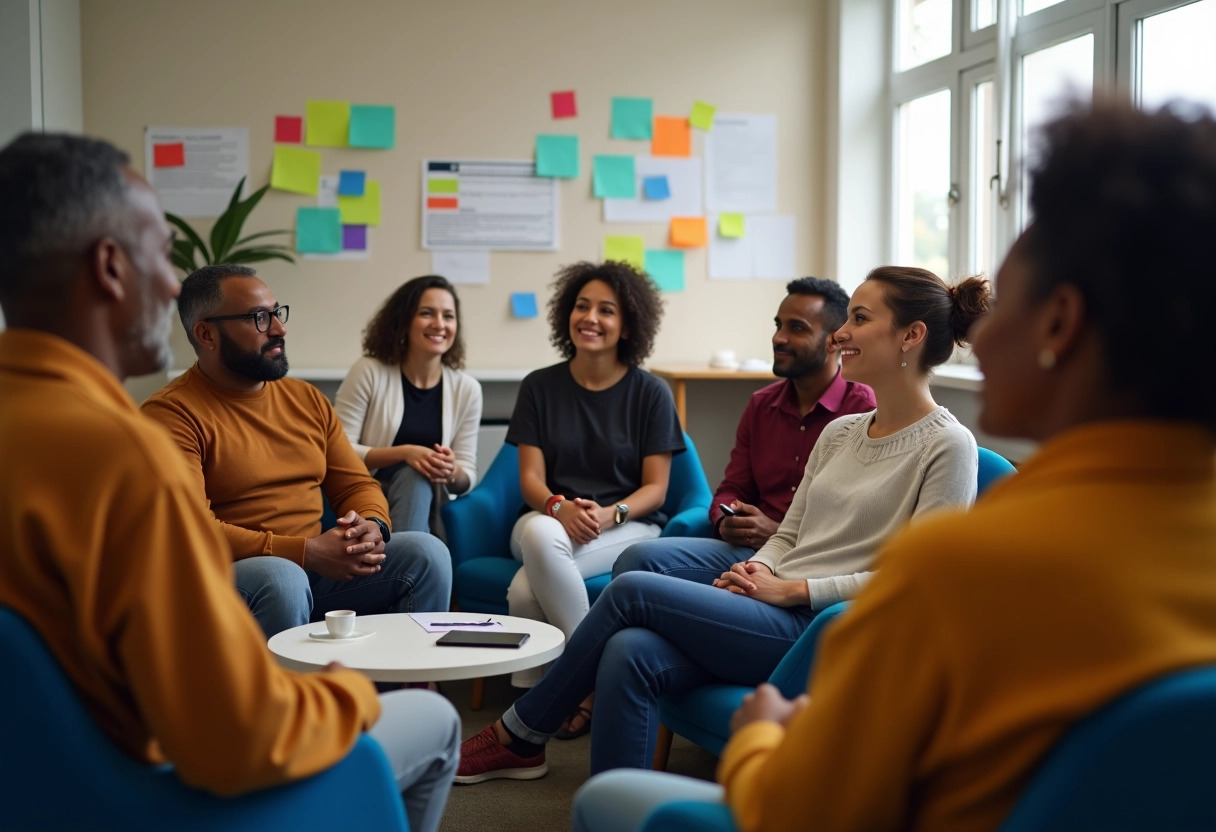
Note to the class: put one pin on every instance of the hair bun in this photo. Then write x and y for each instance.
(971, 299)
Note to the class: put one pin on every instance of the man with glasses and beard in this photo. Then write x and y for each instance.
(779, 428)
(265, 449)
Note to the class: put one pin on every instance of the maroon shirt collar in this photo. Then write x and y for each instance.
(832, 398)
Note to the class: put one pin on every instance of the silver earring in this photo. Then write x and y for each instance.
(1047, 359)
(903, 363)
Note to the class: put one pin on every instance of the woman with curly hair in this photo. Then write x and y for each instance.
(596, 434)
(408, 410)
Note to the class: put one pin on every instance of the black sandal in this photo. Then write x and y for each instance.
(565, 733)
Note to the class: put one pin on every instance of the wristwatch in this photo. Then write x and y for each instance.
(384, 532)
(622, 513)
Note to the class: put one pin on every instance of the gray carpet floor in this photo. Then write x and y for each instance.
(535, 805)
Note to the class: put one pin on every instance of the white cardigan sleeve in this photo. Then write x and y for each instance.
(370, 405)
(460, 434)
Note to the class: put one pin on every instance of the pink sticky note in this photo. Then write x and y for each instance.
(563, 104)
(288, 129)
(169, 155)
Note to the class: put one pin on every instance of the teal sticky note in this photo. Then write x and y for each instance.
(523, 304)
(656, 187)
(557, 156)
(373, 126)
(666, 268)
(318, 230)
(613, 177)
(632, 118)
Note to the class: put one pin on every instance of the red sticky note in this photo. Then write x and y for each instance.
(288, 129)
(563, 104)
(441, 202)
(169, 155)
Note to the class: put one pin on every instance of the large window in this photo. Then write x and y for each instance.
(974, 79)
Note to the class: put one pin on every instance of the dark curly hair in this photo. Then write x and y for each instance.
(947, 312)
(387, 335)
(641, 307)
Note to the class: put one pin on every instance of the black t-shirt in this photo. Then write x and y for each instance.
(594, 440)
(421, 422)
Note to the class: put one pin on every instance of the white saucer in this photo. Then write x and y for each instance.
(325, 635)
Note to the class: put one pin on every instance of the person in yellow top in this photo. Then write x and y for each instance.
(264, 449)
(984, 636)
(108, 549)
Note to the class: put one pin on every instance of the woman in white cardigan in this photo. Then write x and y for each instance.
(407, 408)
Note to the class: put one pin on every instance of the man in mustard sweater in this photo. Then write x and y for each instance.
(264, 449)
(109, 551)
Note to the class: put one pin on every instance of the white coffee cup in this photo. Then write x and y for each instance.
(340, 623)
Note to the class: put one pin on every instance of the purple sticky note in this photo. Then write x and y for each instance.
(351, 182)
(354, 238)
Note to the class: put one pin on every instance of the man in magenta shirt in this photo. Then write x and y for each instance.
(776, 434)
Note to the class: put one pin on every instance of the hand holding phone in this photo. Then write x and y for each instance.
(725, 509)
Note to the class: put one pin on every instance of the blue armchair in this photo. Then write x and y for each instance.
(59, 771)
(479, 527)
(703, 715)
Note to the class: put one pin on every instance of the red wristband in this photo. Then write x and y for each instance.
(553, 499)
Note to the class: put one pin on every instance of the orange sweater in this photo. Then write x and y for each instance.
(111, 556)
(984, 635)
(263, 459)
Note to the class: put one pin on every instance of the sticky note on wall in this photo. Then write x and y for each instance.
(373, 126)
(656, 187)
(666, 269)
(702, 116)
(288, 129)
(169, 155)
(523, 304)
(328, 123)
(672, 137)
(296, 170)
(626, 249)
(361, 210)
(688, 232)
(632, 118)
(730, 225)
(351, 183)
(563, 103)
(557, 156)
(613, 177)
(318, 230)
(354, 238)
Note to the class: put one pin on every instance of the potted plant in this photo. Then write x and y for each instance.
(227, 244)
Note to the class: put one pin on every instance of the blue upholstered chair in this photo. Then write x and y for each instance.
(59, 771)
(479, 527)
(703, 715)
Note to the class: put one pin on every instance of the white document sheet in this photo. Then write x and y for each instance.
(216, 159)
(767, 250)
(462, 266)
(730, 258)
(683, 180)
(741, 164)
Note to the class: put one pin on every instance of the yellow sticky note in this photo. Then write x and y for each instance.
(730, 225)
(296, 169)
(702, 116)
(688, 232)
(327, 123)
(672, 137)
(631, 250)
(361, 210)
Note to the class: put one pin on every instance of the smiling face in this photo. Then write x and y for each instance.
(243, 351)
(870, 345)
(433, 329)
(800, 343)
(595, 321)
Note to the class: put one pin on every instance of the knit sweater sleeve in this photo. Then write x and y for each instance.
(354, 401)
(950, 464)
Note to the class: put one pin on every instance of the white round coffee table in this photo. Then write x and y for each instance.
(398, 649)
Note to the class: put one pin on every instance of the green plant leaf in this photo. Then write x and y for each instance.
(183, 256)
(191, 235)
(257, 236)
(257, 255)
(228, 227)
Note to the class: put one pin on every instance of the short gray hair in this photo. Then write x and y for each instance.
(62, 194)
(201, 295)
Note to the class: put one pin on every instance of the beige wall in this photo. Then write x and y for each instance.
(471, 79)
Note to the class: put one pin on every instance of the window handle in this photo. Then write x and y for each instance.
(953, 195)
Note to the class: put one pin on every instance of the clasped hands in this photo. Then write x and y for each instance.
(756, 580)
(352, 549)
(583, 519)
(766, 704)
(437, 463)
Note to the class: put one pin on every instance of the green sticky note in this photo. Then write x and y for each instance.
(632, 118)
(443, 186)
(327, 123)
(631, 250)
(557, 156)
(666, 268)
(613, 177)
(318, 230)
(361, 210)
(702, 116)
(730, 225)
(296, 169)
(373, 126)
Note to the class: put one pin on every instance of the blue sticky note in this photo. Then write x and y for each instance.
(318, 230)
(557, 156)
(373, 126)
(666, 268)
(632, 118)
(613, 177)
(523, 304)
(656, 187)
(351, 182)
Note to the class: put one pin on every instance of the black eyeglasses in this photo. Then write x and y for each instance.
(261, 318)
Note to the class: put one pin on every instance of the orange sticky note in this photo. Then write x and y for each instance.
(672, 137)
(688, 232)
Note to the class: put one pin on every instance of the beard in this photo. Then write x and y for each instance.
(804, 362)
(254, 365)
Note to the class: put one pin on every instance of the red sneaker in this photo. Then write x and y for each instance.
(483, 758)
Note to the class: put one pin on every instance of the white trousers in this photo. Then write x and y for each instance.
(550, 586)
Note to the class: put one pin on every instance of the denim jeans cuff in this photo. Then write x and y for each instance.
(512, 721)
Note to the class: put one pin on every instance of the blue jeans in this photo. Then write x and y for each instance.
(648, 635)
(700, 559)
(416, 576)
(420, 734)
(620, 801)
(410, 496)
